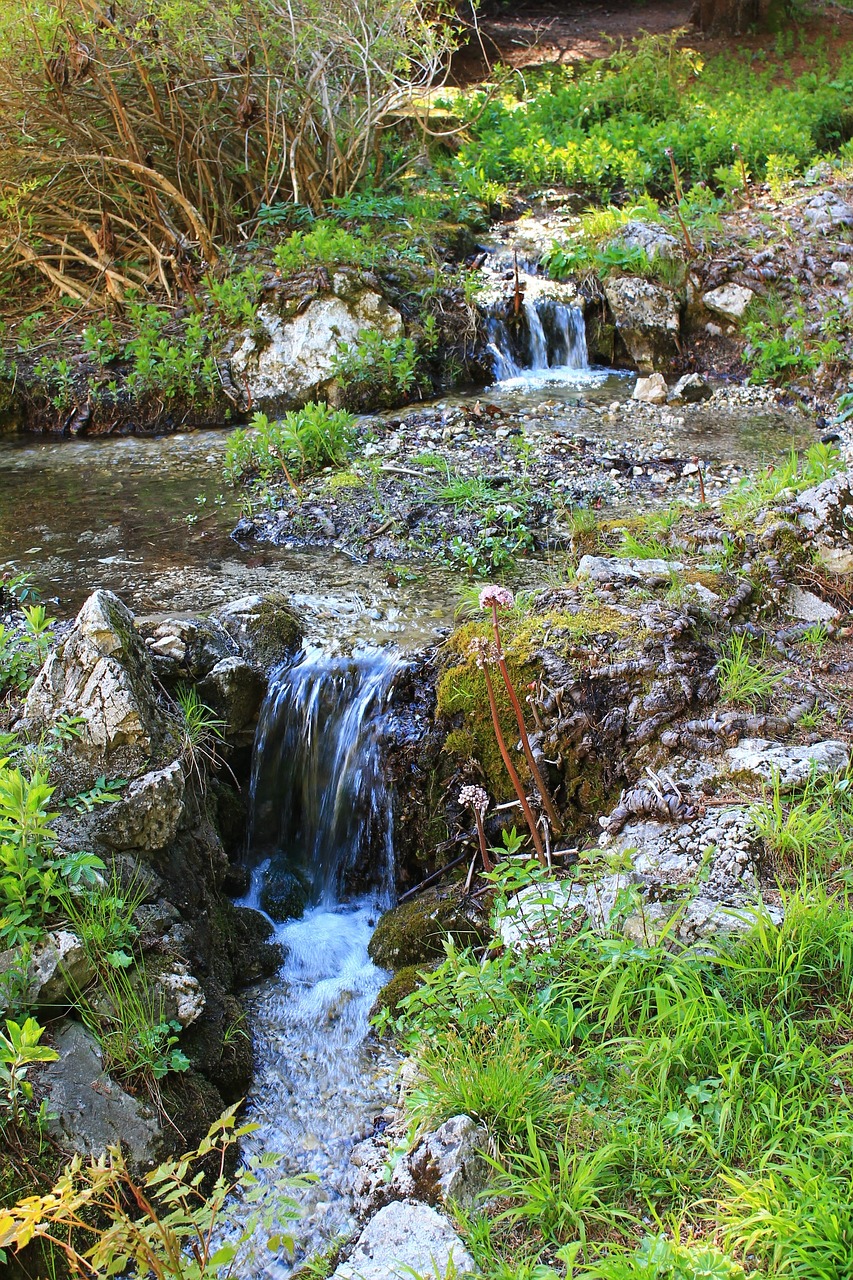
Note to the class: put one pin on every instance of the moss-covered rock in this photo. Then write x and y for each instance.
(414, 932)
(284, 895)
(274, 630)
(403, 983)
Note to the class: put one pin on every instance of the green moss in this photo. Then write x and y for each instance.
(344, 480)
(403, 983)
(414, 932)
(274, 631)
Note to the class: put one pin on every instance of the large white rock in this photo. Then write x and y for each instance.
(646, 317)
(405, 1238)
(624, 570)
(148, 815)
(100, 674)
(651, 390)
(288, 361)
(757, 760)
(729, 301)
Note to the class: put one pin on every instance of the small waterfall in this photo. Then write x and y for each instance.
(320, 807)
(321, 844)
(546, 335)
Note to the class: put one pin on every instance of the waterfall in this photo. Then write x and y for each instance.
(320, 841)
(320, 806)
(546, 335)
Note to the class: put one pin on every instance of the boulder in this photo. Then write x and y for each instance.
(266, 628)
(646, 318)
(414, 932)
(651, 237)
(729, 301)
(651, 390)
(184, 999)
(808, 607)
(91, 1111)
(446, 1166)
(101, 675)
(826, 511)
(285, 362)
(403, 1239)
(284, 893)
(148, 815)
(828, 211)
(690, 389)
(58, 969)
(625, 571)
(234, 690)
(758, 761)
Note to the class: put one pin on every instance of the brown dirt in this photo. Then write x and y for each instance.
(538, 32)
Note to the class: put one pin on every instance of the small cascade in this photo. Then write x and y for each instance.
(546, 335)
(321, 846)
(320, 808)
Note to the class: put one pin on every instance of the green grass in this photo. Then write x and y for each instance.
(655, 1111)
(743, 674)
(797, 473)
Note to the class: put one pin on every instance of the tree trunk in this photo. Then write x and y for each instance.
(733, 17)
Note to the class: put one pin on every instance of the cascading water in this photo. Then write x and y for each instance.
(546, 335)
(320, 832)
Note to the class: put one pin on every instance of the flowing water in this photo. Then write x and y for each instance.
(321, 826)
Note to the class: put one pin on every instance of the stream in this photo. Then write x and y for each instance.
(114, 513)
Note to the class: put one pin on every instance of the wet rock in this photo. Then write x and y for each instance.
(729, 301)
(690, 389)
(758, 761)
(185, 999)
(446, 1165)
(405, 1238)
(92, 1111)
(808, 607)
(624, 571)
(401, 985)
(286, 362)
(234, 690)
(100, 674)
(266, 628)
(646, 318)
(651, 390)
(149, 814)
(414, 932)
(284, 894)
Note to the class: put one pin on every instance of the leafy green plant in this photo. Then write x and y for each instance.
(104, 791)
(102, 916)
(807, 830)
(377, 367)
(743, 673)
(302, 442)
(24, 648)
(172, 1223)
(19, 1049)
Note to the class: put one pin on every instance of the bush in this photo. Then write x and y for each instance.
(303, 441)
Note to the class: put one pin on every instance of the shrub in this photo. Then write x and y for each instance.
(302, 442)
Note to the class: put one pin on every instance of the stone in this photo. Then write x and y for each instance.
(827, 211)
(808, 607)
(91, 1111)
(729, 301)
(266, 628)
(446, 1166)
(404, 1238)
(414, 931)
(654, 240)
(234, 690)
(286, 362)
(184, 996)
(284, 893)
(758, 761)
(623, 571)
(100, 674)
(651, 390)
(59, 969)
(826, 510)
(148, 815)
(690, 389)
(647, 319)
(836, 560)
(169, 646)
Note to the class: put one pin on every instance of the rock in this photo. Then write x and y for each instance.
(729, 301)
(169, 646)
(287, 362)
(538, 913)
(148, 815)
(284, 893)
(651, 237)
(827, 211)
(101, 674)
(646, 318)
(414, 932)
(184, 996)
(625, 571)
(234, 690)
(690, 389)
(447, 1165)
(836, 560)
(826, 510)
(808, 607)
(402, 1239)
(58, 970)
(651, 390)
(759, 761)
(265, 627)
(93, 1112)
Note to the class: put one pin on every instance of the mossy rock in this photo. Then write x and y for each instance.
(404, 982)
(284, 895)
(274, 631)
(414, 932)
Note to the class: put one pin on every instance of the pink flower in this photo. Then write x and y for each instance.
(476, 797)
(496, 597)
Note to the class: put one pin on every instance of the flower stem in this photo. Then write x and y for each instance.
(484, 852)
(510, 768)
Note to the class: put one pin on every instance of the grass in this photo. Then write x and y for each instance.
(809, 831)
(655, 1111)
(743, 674)
(797, 473)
